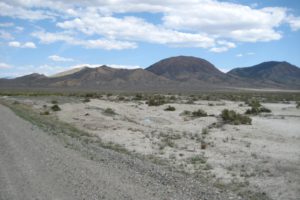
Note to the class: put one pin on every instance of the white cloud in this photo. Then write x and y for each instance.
(6, 24)
(17, 44)
(245, 54)
(294, 22)
(22, 13)
(184, 23)
(5, 35)
(5, 66)
(14, 44)
(57, 58)
(108, 44)
(135, 29)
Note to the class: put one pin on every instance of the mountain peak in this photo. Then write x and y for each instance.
(182, 68)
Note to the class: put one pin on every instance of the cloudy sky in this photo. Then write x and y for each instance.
(51, 36)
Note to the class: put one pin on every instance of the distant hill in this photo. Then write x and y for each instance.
(274, 73)
(182, 73)
(71, 71)
(195, 71)
(185, 68)
(105, 77)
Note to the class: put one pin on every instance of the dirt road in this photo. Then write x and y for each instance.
(36, 165)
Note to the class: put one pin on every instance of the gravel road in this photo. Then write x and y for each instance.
(36, 165)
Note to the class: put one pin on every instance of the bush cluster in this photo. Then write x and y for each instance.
(170, 108)
(55, 108)
(199, 113)
(231, 117)
(256, 108)
(156, 100)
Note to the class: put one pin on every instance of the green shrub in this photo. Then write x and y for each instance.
(109, 111)
(156, 100)
(253, 103)
(199, 113)
(231, 117)
(170, 108)
(55, 108)
(298, 104)
(257, 110)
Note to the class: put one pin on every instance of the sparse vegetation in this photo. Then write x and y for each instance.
(109, 111)
(156, 100)
(54, 102)
(170, 108)
(231, 117)
(86, 100)
(256, 108)
(298, 104)
(199, 113)
(205, 131)
(55, 108)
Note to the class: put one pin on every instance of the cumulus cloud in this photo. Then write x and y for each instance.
(183, 23)
(108, 44)
(57, 58)
(5, 66)
(17, 44)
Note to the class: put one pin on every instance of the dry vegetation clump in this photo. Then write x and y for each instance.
(199, 113)
(231, 117)
(170, 108)
(157, 100)
(55, 108)
(109, 111)
(256, 108)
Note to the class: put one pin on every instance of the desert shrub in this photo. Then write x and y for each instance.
(170, 108)
(55, 108)
(253, 103)
(138, 97)
(257, 110)
(86, 100)
(45, 113)
(197, 160)
(156, 100)
(121, 98)
(186, 113)
(199, 113)
(54, 102)
(231, 117)
(204, 131)
(109, 111)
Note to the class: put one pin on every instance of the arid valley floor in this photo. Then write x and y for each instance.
(256, 161)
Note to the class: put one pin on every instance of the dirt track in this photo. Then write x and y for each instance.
(36, 165)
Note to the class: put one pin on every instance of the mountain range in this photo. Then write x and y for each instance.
(175, 73)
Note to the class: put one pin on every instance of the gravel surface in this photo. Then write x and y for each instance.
(36, 165)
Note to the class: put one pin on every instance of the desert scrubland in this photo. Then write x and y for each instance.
(250, 147)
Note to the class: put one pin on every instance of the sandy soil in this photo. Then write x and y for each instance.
(262, 156)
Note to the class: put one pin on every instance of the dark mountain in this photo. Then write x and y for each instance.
(180, 73)
(185, 68)
(195, 72)
(110, 78)
(102, 78)
(281, 74)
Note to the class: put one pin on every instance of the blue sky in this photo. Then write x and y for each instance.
(51, 36)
